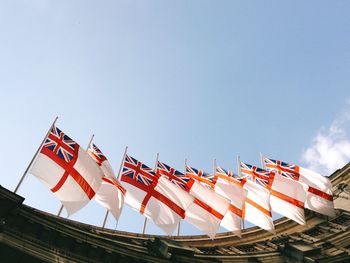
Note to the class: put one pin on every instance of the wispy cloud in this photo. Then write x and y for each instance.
(330, 148)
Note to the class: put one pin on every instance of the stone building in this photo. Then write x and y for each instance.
(29, 235)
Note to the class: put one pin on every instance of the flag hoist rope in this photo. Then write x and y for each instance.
(34, 157)
(118, 175)
(92, 137)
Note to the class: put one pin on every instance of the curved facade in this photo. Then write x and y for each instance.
(30, 235)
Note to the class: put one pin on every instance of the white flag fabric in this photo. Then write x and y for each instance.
(319, 196)
(111, 193)
(288, 198)
(101, 161)
(70, 173)
(156, 198)
(210, 204)
(203, 217)
(200, 214)
(215, 204)
(226, 185)
(111, 196)
(257, 206)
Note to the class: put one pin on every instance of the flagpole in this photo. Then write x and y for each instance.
(60, 211)
(214, 169)
(179, 225)
(145, 222)
(92, 137)
(144, 226)
(120, 168)
(122, 163)
(264, 167)
(105, 219)
(35, 155)
(262, 161)
(239, 173)
(239, 164)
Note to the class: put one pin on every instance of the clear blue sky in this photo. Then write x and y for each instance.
(188, 79)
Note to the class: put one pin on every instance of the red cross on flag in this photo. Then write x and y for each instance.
(257, 209)
(216, 205)
(111, 193)
(319, 196)
(155, 198)
(287, 196)
(226, 185)
(101, 160)
(199, 213)
(67, 170)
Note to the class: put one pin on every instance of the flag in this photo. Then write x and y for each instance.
(67, 170)
(226, 185)
(200, 214)
(212, 202)
(101, 160)
(206, 179)
(153, 197)
(257, 204)
(111, 193)
(319, 196)
(173, 176)
(287, 196)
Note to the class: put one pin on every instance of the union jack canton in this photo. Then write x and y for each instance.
(219, 170)
(287, 170)
(137, 171)
(201, 176)
(255, 174)
(60, 144)
(173, 175)
(97, 154)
